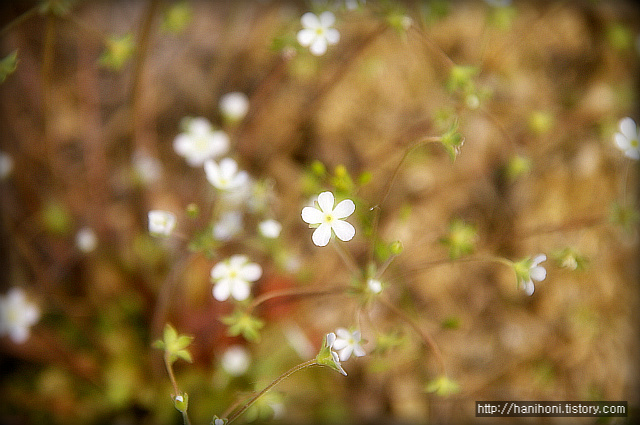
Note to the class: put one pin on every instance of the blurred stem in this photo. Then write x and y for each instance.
(434, 263)
(47, 63)
(20, 19)
(294, 292)
(172, 377)
(387, 190)
(275, 382)
(346, 257)
(426, 338)
(385, 265)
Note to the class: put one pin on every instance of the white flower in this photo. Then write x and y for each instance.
(6, 165)
(233, 277)
(529, 270)
(317, 32)
(353, 4)
(225, 176)
(329, 218)
(374, 285)
(229, 225)
(331, 339)
(627, 138)
(235, 360)
(347, 343)
(86, 240)
(17, 315)
(200, 142)
(234, 106)
(161, 223)
(270, 228)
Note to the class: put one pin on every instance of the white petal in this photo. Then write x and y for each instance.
(240, 291)
(219, 271)
(332, 35)
(331, 338)
(343, 333)
(19, 334)
(309, 20)
(251, 272)
(306, 37)
(221, 290)
(212, 172)
(359, 351)
(538, 273)
(344, 209)
(219, 143)
(327, 19)
(322, 235)
(240, 179)
(621, 141)
(199, 126)
(182, 144)
(237, 261)
(228, 167)
(633, 153)
(325, 201)
(319, 46)
(628, 128)
(539, 259)
(529, 288)
(345, 353)
(340, 344)
(312, 215)
(344, 231)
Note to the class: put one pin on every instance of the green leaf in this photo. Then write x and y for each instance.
(8, 64)
(443, 386)
(241, 323)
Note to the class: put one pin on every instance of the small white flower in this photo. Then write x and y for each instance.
(17, 315)
(200, 142)
(346, 343)
(233, 277)
(529, 270)
(627, 138)
(6, 165)
(161, 223)
(225, 176)
(331, 339)
(270, 228)
(148, 169)
(86, 240)
(179, 398)
(218, 421)
(374, 285)
(329, 219)
(235, 360)
(234, 106)
(317, 32)
(229, 225)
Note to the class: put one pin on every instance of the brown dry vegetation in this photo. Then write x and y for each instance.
(73, 127)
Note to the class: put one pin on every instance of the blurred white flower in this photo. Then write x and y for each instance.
(86, 240)
(627, 138)
(528, 270)
(236, 360)
(229, 225)
(161, 223)
(225, 176)
(270, 228)
(317, 32)
(234, 106)
(353, 4)
(148, 169)
(233, 277)
(329, 219)
(6, 165)
(498, 3)
(200, 142)
(374, 285)
(347, 343)
(17, 315)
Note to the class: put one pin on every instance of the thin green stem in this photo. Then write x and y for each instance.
(427, 339)
(275, 382)
(434, 263)
(346, 257)
(172, 377)
(295, 292)
(385, 265)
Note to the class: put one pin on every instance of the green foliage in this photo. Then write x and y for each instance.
(177, 17)
(461, 239)
(328, 358)
(452, 141)
(624, 216)
(241, 323)
(118, 51)
(174, 345)
(56, 219)
(442, 386)
(8, 64)
(570, 258)
(517, 167)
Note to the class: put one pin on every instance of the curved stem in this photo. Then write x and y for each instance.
(275, 382)
(434, 263)
(172, 377)
(294, 292)
(426, 338)
(348, 260)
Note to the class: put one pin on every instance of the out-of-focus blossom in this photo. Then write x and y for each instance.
(17, 315)
(233, 277)
(627, 138)
(229, 225)
(86, 240)
(200, 142)
(6, 165)
(234, 106)
(270, 228)
(225, 176)
(147, 168)
(236, 360)
(161, 223)
(317, 32)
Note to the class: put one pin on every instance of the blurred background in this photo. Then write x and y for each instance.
(89, 116)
